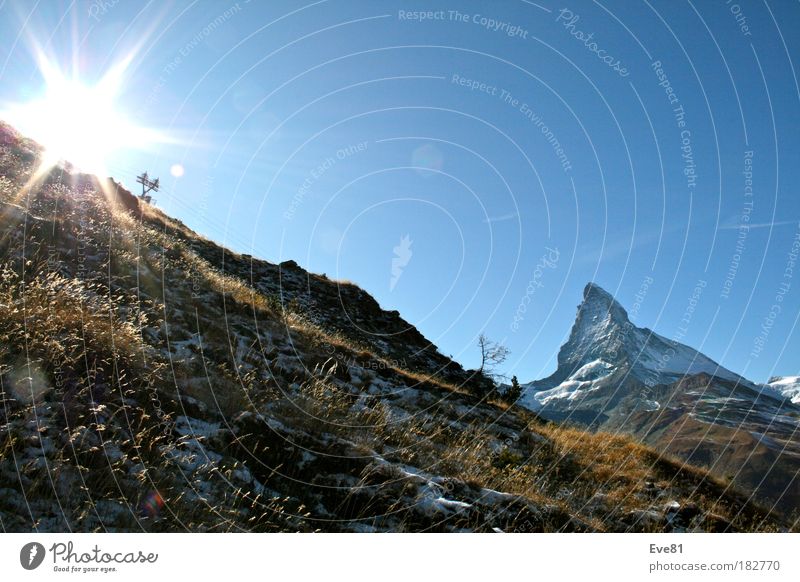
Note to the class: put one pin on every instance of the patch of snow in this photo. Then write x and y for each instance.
(651, 405)
(306, 458)
(186, 426)
(786, 386)
(492, 497)
(568, 390)
(185, 349)
(594, 370)
(192, 456)
(451, 504)
(361, 528)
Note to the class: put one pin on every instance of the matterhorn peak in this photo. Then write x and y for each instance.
(603, 339)
(596, 300)
(599, 325)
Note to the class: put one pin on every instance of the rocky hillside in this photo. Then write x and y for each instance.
(152, 380)
(617, 377)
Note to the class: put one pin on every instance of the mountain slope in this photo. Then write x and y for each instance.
(615, 376)
(152, 380)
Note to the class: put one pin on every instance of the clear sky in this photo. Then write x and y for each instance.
(474, 168)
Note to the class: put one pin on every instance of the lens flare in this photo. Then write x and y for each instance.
(152, 504)
(78, 122)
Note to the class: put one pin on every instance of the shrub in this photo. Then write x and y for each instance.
(512, 393)
(507, 458)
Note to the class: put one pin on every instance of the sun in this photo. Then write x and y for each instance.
(78, 122)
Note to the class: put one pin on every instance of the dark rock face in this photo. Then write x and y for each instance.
(123, 196)
(599, 331)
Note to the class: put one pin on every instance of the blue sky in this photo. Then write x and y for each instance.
(522, 151)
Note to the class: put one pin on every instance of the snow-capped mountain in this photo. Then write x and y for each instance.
(606, 351)
(604, 342)
(613, 375)
(786, 386)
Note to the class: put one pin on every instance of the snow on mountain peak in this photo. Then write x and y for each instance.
(787, 386)
(597, 300)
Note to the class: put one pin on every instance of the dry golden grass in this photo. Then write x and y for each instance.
(66, 319)
(7, 189)
(421, 379)
(606, 456)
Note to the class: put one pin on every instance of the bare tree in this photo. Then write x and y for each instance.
(492, 354)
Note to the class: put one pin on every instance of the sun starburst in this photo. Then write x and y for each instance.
(79, 122)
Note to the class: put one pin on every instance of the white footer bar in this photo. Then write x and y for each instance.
(381, 557)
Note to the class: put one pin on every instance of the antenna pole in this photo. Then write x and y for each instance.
(148, 186)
